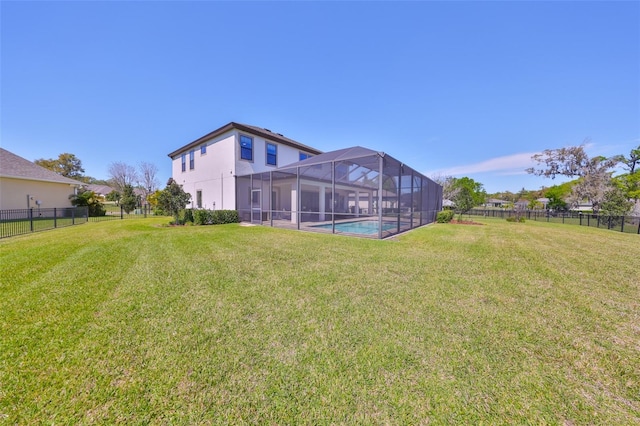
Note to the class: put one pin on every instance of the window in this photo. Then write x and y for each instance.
(304, 156)
(192, 155)
(203, 149)
(199, 199)
(184, 162)
(272, 154)
(246, 148)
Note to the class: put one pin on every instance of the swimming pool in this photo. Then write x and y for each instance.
(364, 227)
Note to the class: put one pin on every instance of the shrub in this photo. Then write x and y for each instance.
(188, 216)
(209, 217)
(202, 217)
(515, 219)
(220, 217)
(445, 216)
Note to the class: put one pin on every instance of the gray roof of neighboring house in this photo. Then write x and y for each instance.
(99, 189)
(257, 131)
(14, 166)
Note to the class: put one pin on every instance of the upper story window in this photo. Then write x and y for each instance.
(203, 149)
(304, 156)
(192, 160)
(184, 162)
(272, 154)
(246, 148)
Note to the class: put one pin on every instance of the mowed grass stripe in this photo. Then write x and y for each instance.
(137, 323)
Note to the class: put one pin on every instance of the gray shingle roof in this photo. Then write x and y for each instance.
(14, 166)
(99, 189)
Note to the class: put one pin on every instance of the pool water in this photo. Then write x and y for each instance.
(365, 227)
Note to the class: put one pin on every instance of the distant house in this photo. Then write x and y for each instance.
(521, 204)
(544, 202)
(99, 190)
(494, 202)
(24, 184)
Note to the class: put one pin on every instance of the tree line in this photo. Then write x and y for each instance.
(593, 183)
(131, 185)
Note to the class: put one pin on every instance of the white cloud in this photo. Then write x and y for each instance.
(514, 164)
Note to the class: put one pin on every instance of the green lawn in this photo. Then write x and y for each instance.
(128, 322)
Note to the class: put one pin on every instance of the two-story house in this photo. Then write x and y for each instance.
(207, 167)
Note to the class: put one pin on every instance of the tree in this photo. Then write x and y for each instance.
(122, 174)
(129, 201)
(629, 183)
(66, 164)
(594, 173)
(633, 160)
(90, 200)
(467, 194)
(148, 177)
(615, 203)
(113, 196)
(448, 190)
(463, 201)
(152, 199)
(173, 199)
(556, 195)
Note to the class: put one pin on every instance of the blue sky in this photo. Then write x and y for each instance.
(450, 88)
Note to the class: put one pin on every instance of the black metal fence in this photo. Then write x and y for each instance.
(117, 213)
(628, 224)
(24, 221)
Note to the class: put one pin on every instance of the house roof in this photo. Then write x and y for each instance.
(14, 166)
(99, 189)
(257, 131)
(338, 155)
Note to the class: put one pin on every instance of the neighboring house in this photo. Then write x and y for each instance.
(494, 202)
(99, 190)
(543, 202)
(24, 184)
(521, 204)
(207, 167)
(583, 206)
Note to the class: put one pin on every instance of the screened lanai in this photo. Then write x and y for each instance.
(354, 191)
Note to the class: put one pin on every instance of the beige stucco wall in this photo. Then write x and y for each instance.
(14, 192)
